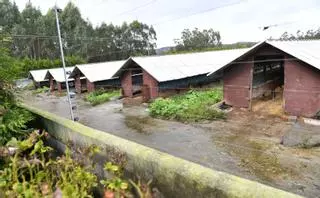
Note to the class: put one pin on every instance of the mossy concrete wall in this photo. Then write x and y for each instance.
(174, 177)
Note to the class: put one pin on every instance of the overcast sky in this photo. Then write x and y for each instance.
(237, 20)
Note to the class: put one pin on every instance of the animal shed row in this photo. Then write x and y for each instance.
(300, 61)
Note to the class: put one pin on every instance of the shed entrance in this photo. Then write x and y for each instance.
(267, 82)
(137, 81)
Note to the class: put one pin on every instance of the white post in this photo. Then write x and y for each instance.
(63, 62)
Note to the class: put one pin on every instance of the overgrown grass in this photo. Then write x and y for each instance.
(41, 90)
(101, 96)
(192, 106)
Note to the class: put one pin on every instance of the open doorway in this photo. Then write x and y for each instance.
(267, 84)
(137, 81)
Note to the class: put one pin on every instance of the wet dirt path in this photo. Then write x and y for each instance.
(232, 146)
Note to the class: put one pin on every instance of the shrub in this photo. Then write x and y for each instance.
(101, 96)
(192, 106)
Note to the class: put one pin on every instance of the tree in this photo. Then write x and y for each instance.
(9, 15)
(196, 39)
(35, 35)
(31, 24)
(310, 34)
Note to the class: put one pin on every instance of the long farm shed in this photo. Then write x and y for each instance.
(96, 75)
(157, 76)
(57, 79)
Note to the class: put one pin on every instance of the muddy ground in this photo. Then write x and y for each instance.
(246, 144)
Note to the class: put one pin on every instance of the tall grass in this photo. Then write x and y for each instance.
(101, 96)
(192, 106)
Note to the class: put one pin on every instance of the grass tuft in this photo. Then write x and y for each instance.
(41, 90)
(101, 96)
(193, 106)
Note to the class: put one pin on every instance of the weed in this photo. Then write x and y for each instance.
(41, 90)
(30, 173)
(192, 106)
(101, 96)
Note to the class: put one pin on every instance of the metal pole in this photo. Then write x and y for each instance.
(63, 63)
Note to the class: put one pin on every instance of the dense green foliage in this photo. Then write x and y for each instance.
(34, 35)
(13, 120)
(101, 96)
(30, 173)
(192, 106)
(13, 124)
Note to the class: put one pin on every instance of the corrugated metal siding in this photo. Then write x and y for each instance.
(301, 89)
(115, 83)
(236, 84)
(194, 81)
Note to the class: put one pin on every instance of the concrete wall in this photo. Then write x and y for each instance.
(236, 84)
(301, 89)
(174, 177)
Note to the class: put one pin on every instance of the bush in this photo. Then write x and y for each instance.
(101, 96)
(192, 106)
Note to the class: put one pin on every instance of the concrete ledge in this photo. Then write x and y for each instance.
(173, 176)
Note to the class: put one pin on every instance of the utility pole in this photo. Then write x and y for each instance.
(56, 9)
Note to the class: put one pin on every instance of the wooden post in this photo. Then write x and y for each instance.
(251, 86)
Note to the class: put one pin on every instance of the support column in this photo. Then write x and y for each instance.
(59, 87)
(51, 82)
(126, 84)
(77, 83)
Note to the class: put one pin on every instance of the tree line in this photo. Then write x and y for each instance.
(300, 35)
(34, 35)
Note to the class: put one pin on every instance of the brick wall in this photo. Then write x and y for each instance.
(77, 83)
(51, 82)
(90, 86)
(59, 86)
(236, 84)
(126, 84)
(301, 89)
(152, 84)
